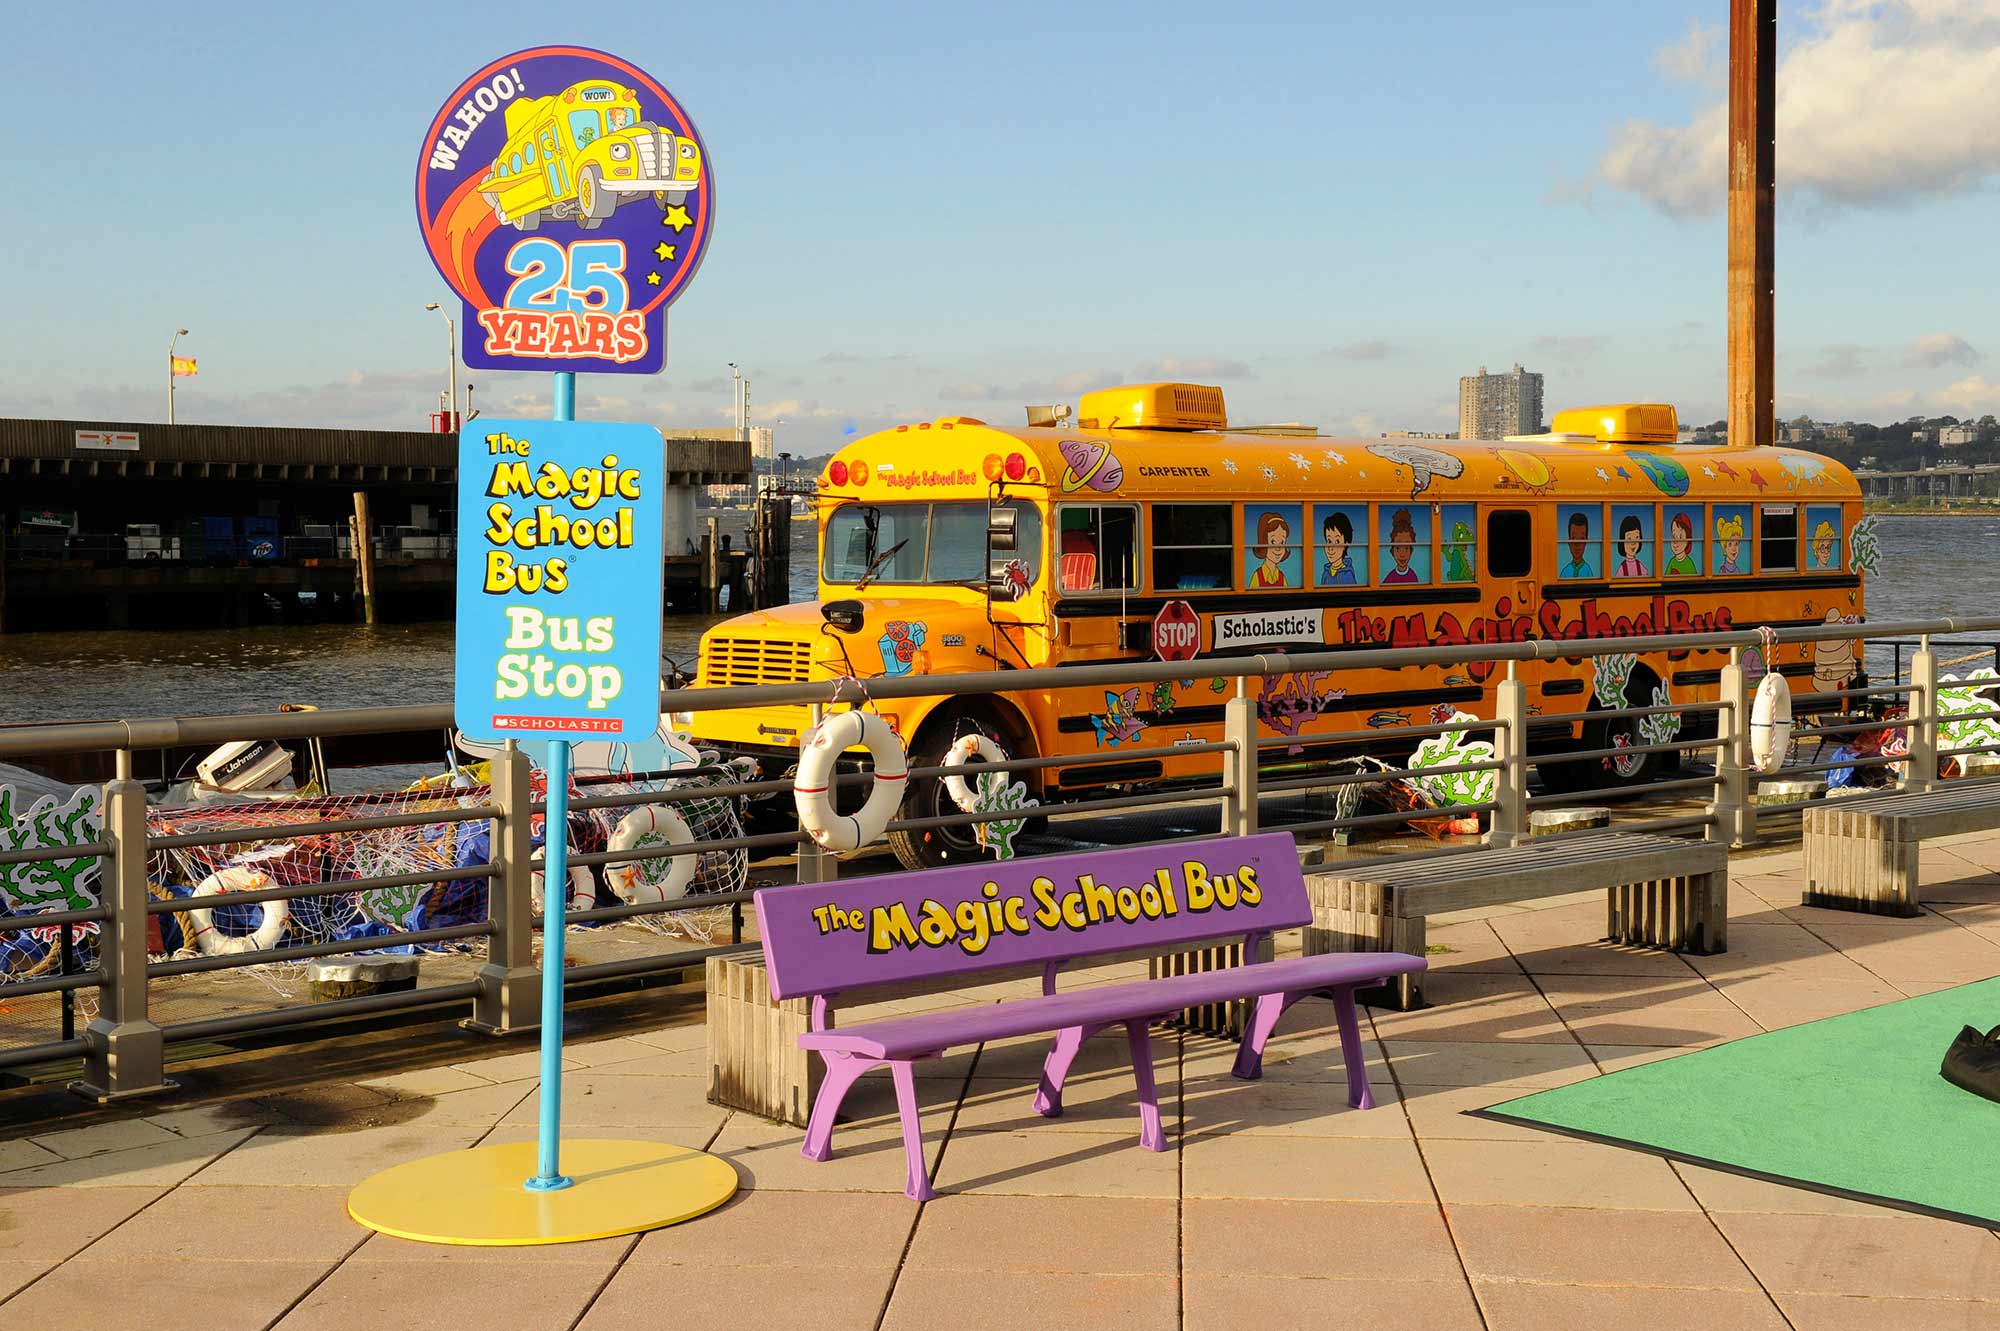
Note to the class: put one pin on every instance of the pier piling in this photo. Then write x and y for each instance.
(364, 557)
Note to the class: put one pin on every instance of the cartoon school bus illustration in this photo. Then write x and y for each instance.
(579, 154)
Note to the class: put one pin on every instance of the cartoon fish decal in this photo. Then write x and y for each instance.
(1381, 719)
(1757, 480)
(1089, 463)
(1425, 464)
(1120, 723)
(1726, 470)
(1668, 476)
(1456, 680)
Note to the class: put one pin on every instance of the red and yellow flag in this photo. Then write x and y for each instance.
(183, 366)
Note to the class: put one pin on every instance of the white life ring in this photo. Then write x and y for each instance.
(651, 824)
(238, 878)
(963, 750)
(1771, 723)
(811, 788)
(582, 889)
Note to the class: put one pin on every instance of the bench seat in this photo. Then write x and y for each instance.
(1861, 852)
(1104, 1005)
(1660, 892)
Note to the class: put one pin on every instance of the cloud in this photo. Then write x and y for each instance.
(1204, 368)
(1973, 395)
(1700, 57)
(1936, 350)
(1570, 347)
(1880, 102)
(1840, 360)
(1366, 348)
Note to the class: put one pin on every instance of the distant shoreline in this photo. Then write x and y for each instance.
(1924, 511)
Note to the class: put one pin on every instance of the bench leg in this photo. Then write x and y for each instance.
(1048, 1097)
(1263, 1020)
(841, 1072)
(1140, 1040)
(1358, 1096)
(919, 1185)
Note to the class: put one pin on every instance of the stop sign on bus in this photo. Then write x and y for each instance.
(1176, 632)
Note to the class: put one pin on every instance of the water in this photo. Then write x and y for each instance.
(1930, 566)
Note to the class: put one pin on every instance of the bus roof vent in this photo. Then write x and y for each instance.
(1167, 406)
(1621, 423)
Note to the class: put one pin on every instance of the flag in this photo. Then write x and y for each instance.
(183, 366)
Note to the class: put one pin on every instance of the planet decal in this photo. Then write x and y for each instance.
(1669, 477)
(1532, 471)
(1090, 463)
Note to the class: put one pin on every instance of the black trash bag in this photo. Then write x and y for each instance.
(1973, 1062)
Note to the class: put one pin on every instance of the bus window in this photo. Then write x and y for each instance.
(1404, 557)
(1098, 547)
(1729, 523)
(1778, 538)
(1823, 538)
(1458, 542)
(1191, 547)
(877, 542)
(1342, 560)
(1580, 550)
(1510, 544)
(958, 544)
(1683, 552)
(1274, 556)
(1632, 540)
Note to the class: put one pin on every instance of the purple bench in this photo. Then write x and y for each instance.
(825, 940)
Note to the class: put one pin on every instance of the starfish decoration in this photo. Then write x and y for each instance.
(1269, 475)
(1624, 475)
(1229, 466)
(1708, 471)
(1603, 475)
(1299, 460)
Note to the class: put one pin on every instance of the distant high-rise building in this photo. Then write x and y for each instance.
(763, 443)
(1492, 406)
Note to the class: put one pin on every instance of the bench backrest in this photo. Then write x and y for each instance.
(823, 938)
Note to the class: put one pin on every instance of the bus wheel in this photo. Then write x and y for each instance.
(1615, 771)
(529, 221)
(930, 848)
(594, 202)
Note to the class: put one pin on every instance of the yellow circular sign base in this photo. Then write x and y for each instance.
(478, 1198)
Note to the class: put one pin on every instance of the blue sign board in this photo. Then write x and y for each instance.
(559, 580)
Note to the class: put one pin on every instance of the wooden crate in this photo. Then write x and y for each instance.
(754, 1060)
(1227, 1020)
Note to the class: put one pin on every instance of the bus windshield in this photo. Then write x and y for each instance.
(912, 543)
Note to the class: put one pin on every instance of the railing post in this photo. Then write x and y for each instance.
(1734, 811)
(1239, 727)
(1923, 707)
(817, 865)
(509, 1000)
(125, 1054)
(1510, 742)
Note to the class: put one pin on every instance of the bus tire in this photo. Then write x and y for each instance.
(529, 221)
(594, 203)
(927, 797)
(1570, 776)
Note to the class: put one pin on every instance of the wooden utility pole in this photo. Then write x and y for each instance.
(364, 557)
(1753, 141)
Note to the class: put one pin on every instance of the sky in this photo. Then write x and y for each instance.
(1332, 210)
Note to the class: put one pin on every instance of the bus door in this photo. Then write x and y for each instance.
(552, 162)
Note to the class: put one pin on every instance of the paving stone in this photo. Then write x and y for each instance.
(1081, 1235)
(927, 1299)
(1595, 1246)
(162, 1294)
(240, 1224)
(49, 1224)
(1523, 1306)
(1258, 1303)
(1552, 1173)
(725, 1297)
(1305, 1169)
(1345, 1240)
(1907, 1256)
(531, 1296)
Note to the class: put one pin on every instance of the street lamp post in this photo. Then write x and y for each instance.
(179, 333)
(741, 387)
(451, 361)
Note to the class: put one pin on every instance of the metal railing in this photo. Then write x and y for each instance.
(124, 1048)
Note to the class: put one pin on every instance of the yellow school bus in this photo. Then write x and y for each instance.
(1149, 508)
(576, 155)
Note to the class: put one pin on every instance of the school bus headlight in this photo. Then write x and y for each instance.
(620, 151)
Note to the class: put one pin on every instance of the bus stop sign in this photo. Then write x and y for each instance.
(1176, 632)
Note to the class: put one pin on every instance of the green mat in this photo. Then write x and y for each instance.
(1851, 1105)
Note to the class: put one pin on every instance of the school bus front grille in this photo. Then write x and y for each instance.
(732, 661)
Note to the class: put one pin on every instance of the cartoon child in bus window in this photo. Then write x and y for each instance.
(1821, 551)
(1402, 544)
(1680, 546)
(1578, 564)
(1272, 537)
(1729, 531)
(1336, 535)
(621, 116)
(1631, 544)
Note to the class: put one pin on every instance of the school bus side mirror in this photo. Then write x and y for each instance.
(847, 616)
(1002, 526)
